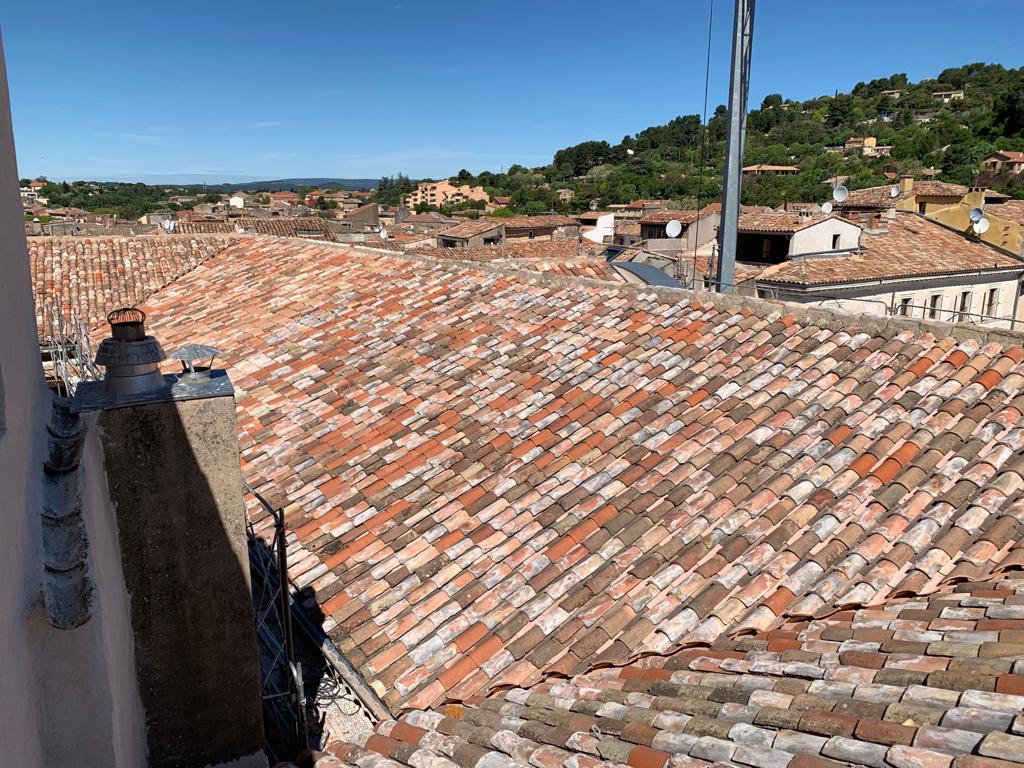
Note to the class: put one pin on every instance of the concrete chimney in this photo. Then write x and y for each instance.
(906, 183)
(170, 456)
(975, 197)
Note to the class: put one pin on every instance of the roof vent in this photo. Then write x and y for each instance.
(130, 356)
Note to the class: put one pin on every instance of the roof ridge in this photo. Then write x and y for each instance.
(802, 313)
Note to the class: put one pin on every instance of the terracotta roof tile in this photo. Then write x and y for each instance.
(614, 476)
(881, 197)
(95, 275)
(911, 245)
(306, 227)
(787, 697)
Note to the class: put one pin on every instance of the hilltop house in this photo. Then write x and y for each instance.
(1005, 160)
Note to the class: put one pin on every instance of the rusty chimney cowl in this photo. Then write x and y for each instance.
(132, 358)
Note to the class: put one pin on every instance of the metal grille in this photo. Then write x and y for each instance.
(281, 680)
(66, 351)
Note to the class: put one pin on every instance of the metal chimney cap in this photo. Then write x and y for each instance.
(127, 324)
(189, 354)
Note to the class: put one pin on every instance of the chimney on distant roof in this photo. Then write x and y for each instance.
(906, 183)
(804, 214)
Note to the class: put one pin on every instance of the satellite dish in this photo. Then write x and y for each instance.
(840, 193)
(894, 191)
(673, 228)
(826, 207)
(630, 152)
(383, 234)
(981, 226)
(977, 214)
(593, 205)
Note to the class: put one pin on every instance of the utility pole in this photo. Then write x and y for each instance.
(739, 86)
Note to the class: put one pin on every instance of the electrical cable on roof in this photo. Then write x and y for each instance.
(703, 141)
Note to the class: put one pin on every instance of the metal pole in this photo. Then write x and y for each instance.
(739, 85)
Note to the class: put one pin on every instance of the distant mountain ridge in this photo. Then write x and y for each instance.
(281, 185)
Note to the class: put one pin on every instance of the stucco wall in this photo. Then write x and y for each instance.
(23, 405)
(67, 697)
(818, 238)
(875, 299)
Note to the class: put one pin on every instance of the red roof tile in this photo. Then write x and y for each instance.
(95, 275)
(606, 477)
(912, 245)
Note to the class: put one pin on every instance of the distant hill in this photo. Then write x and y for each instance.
(919, 128)
(280, 185)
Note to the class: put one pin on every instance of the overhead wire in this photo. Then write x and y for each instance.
(703, 144)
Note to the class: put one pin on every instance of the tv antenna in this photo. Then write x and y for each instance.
(383, 234)
(894, 191)
(593, 205)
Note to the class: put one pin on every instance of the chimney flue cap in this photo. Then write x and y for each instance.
(127, 324)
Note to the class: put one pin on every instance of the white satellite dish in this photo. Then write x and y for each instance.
(383, 234)
(840, 193)
(593, 205)
(673, 228)
(826, 207)
(981, 226)
(894, 191)
(630, 152)
(977, 214)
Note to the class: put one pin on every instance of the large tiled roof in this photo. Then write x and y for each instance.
(95, 275)
(927, 683)
(912, 246)
(472, 228)
(881, 197)
(493, 478)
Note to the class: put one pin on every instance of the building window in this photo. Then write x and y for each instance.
(835, 242)
(922, 208)
(964, 306)
(934, 305)
(992, 302)
(903, 310)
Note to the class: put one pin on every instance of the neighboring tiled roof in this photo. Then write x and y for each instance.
(627, 227)
(491, 480)
(881, 197)
(918, 683)
(472, 228)
(307, 227)
(778, 221)
(95, 275)
(1006, 154)
(533, 249)
(912, 245)
(665, 216)
(646, 203)
(1013, 210)
(541, 221)
(592, 268)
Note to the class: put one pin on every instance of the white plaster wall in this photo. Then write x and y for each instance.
(818, 238)
(23, 410)
(875, 299)
(605, 227)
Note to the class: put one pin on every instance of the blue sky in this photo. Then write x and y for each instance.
(229, 91)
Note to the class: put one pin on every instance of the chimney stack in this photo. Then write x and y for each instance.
(906, 183)
(169, 447)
